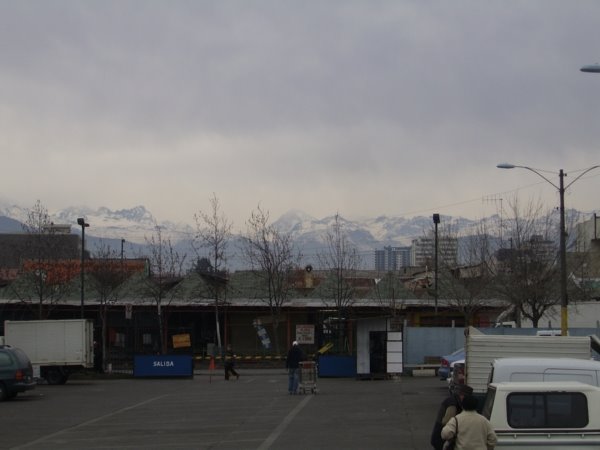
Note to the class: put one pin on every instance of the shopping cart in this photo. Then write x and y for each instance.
(308, 377)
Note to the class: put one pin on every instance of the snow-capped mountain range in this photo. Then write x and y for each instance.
(137, 224)
(132, 224)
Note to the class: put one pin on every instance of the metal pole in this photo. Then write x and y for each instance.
(436, 269)
(564, 300)
(122, 243)
(82, 266)
(436, 220)
(81, 222)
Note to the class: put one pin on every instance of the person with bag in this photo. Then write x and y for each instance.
(469, 430)
(449, 408)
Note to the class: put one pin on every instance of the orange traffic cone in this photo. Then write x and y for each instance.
(211, 367)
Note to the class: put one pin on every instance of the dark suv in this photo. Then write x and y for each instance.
(16, 373)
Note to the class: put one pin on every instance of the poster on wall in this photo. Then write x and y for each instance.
(305, 334)
(262, 334)
(182, 340)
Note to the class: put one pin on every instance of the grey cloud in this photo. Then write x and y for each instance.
(338, 93)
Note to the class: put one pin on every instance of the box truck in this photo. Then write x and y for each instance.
(483, 349)
(56, 348)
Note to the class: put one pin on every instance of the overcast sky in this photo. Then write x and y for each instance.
(365, 108)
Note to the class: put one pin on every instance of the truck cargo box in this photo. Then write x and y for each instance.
(483, 349)
(55, 347)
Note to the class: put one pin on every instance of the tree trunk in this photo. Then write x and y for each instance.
(276, 334)
(160, 328)
(103, 319)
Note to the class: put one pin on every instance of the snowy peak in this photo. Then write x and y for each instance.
(137, 223)
(136, 215)
(292, 221)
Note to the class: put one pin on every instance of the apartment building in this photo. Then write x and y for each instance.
(392, 258)
(423, 251)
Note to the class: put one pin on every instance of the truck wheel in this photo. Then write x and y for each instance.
(54, 375)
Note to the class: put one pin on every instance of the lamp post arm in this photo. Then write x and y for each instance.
(542, 176)
(580, 175)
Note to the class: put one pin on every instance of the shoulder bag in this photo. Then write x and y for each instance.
(450, 444)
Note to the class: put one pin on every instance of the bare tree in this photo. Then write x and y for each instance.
(391, 294)
(163, 282)
(48, 267)
(106, 276)
(213, 232)
(341, 261)
(272, 258)
(528, 270)
(466, 286)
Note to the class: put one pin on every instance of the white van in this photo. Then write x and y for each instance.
(553, 416)
(545, 369)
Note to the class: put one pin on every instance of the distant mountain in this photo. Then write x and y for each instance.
(137, 224)
(8, 225)
(133, 225)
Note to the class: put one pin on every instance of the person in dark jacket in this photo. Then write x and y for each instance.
(448, 409)
(292, 364)
(230, 364)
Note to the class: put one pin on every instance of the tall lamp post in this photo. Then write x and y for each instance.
(436, 221)
(122, 244)
(564, 300)
(81, 222)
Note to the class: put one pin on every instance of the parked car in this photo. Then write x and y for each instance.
(445, 361)
(16, 372)
(457, 374)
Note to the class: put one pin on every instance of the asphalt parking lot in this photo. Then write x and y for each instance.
(206, 412)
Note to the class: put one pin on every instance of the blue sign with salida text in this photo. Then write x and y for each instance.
(163, 366)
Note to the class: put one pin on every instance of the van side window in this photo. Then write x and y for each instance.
(547, 410)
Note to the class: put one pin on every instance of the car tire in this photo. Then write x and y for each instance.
(3, 392)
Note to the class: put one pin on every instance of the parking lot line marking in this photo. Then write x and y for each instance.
(283, 425)
(89, 422)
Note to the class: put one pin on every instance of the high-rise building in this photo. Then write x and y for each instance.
(588, 235)
(423, 251)
(392, 258)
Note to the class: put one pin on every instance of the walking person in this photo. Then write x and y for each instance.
(449, 408)
(230, 363)
(292, 364)
(471, 429)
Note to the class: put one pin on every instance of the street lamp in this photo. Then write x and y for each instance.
(564, 301)
(436, 221)
(83, 225)
(592, 68)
